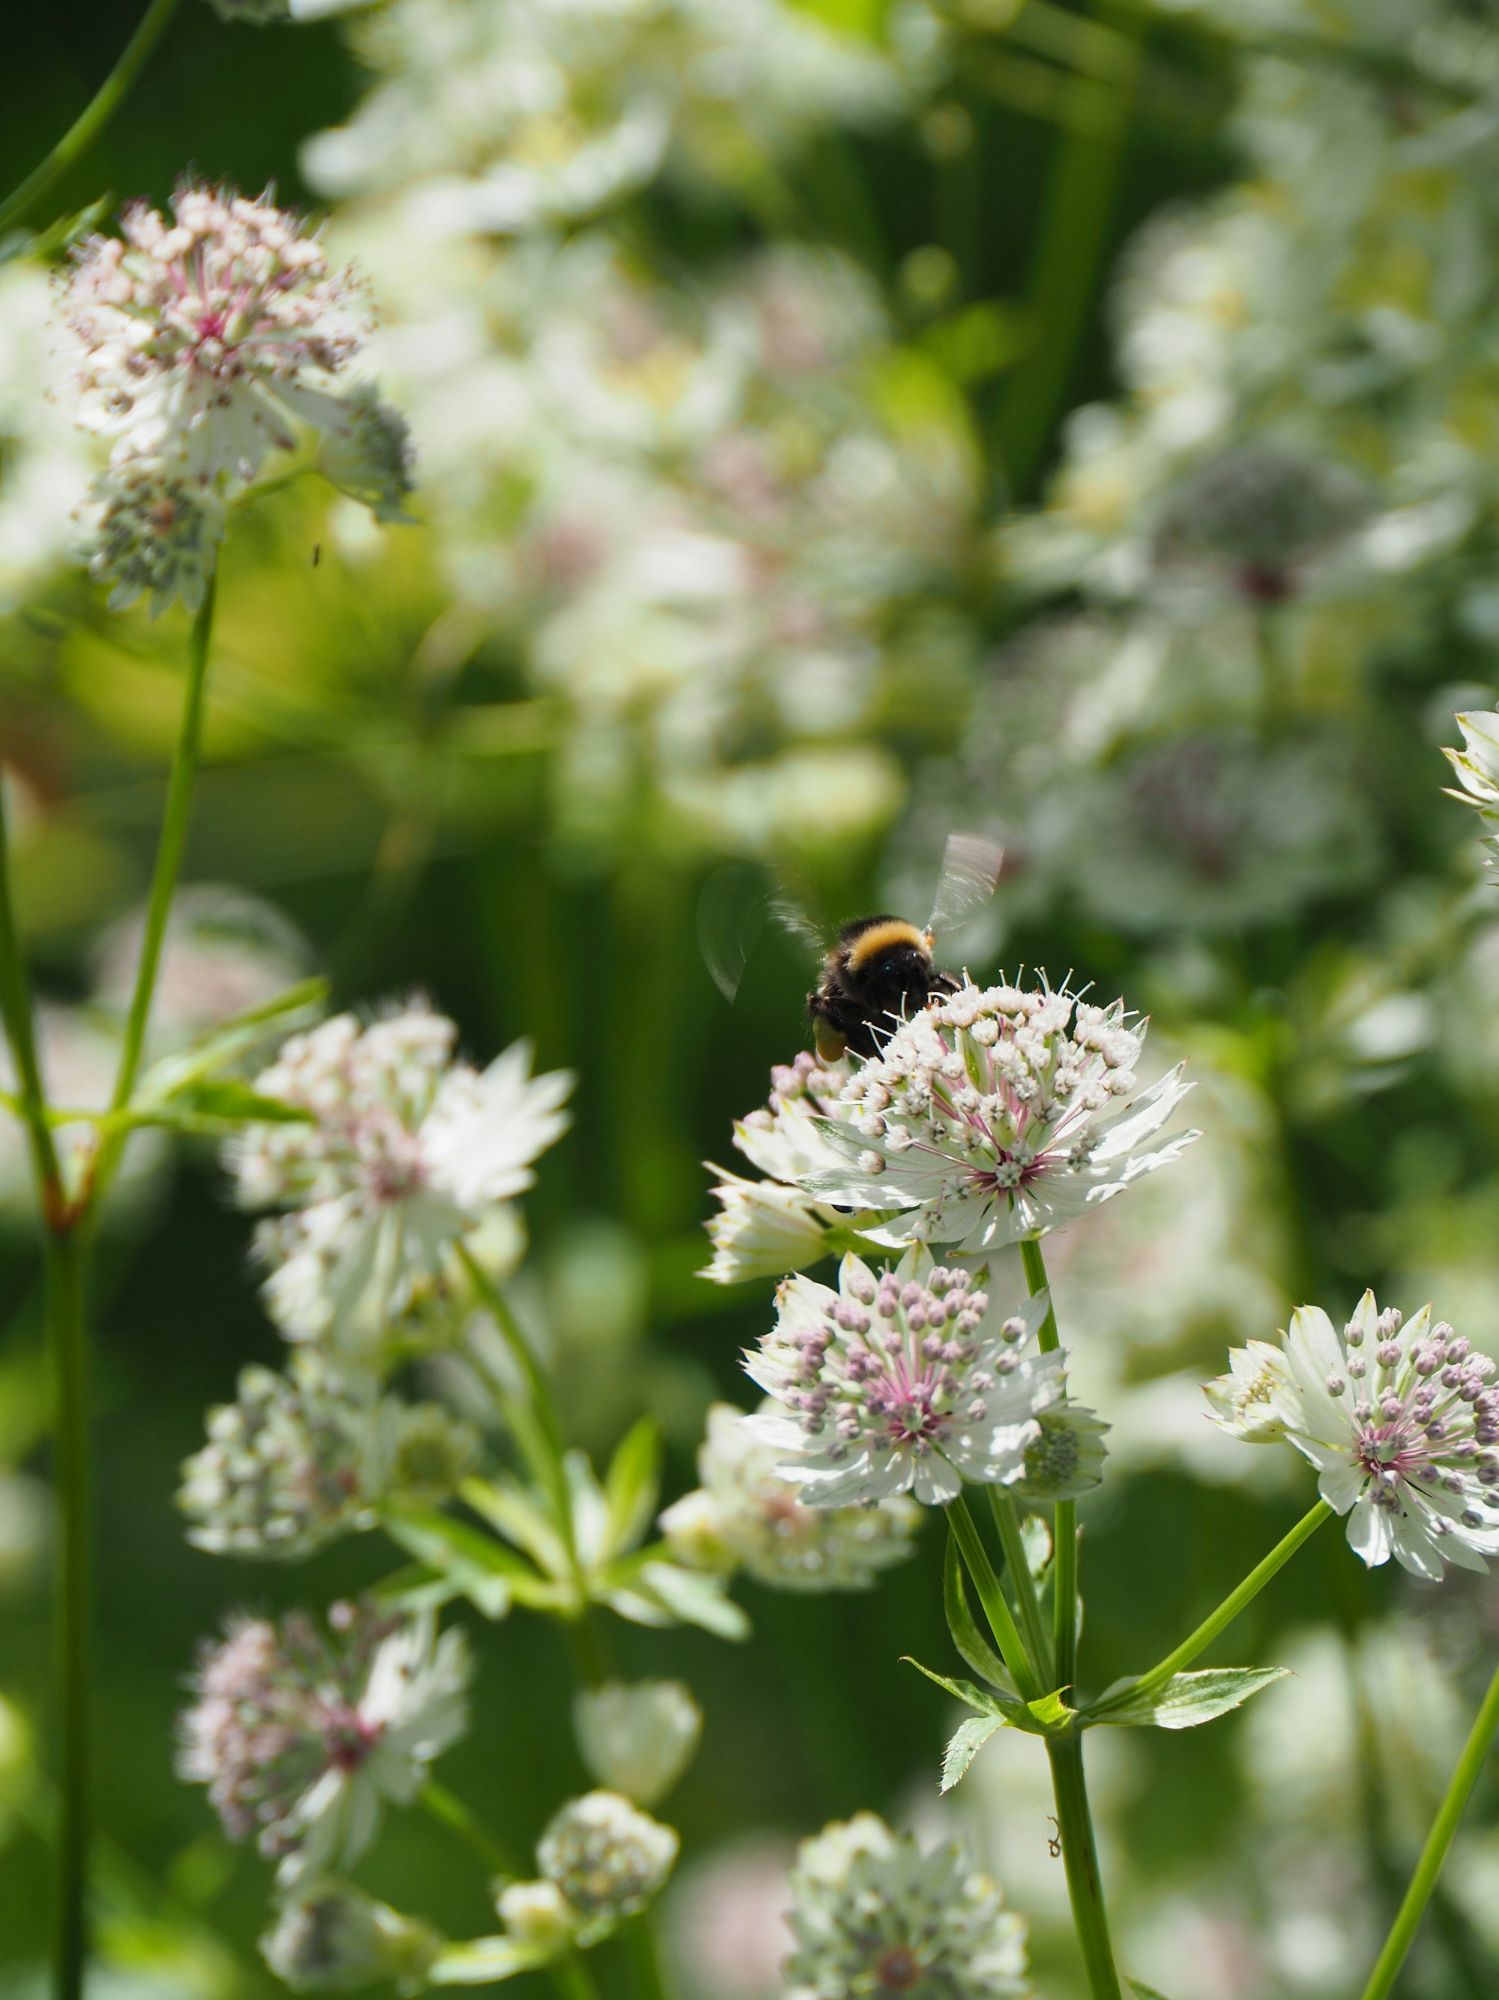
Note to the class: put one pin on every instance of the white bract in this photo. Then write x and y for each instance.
(874, 1915)
(1477, 767)
(301, 1736)
(638, 1739)
(995, 1115)
(746, 1515)
(1400, 1420)
(407, 1152)
(909, 1380)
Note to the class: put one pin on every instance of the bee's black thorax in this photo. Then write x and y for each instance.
(879, 973)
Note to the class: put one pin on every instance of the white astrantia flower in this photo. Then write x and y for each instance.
(903, 1381)
(638, 1739)
(367, 452)
(1477, 767)
(764, 1229)
(1401, 1420)
(204, 340)
(335, 1939)
(607, 1857)
(150, 531)
(872, 1914)
(745, 1515)
(535, 1913)
(994, 1115)
(784, 1138)
(1068, 1456)
(301, 1735)
(407, 1153)
(1250, 1401)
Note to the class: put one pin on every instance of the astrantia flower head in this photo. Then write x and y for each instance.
(763, 1229)
(1401, 1419)
(996, 1114)
(874, 1915)
(367, 453)
(745, 1515)
(152, 532)
(407, 1153)
(301, 1735)
(1250, 1401)
(334, 1939)
(638, 1739)
(607, 1857)
(1262, 512)
(1477, 766)
(1067, 1457)
(909, 1380)
(204, 340)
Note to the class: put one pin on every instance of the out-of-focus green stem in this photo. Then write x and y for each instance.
(20, 1033)
(992, 1597)
(1429, 1867)
(645, 1960)
(446, 1807)
(1198, 1641)
(1074, 228)
(95, 115)
(571, 1977)
(1064, 1554)
(69, 1342)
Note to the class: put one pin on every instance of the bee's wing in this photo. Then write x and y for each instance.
(731, 914)
(970, 871)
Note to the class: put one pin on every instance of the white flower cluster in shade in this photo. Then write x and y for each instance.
(302, 1735)
(1400, 1418)
(872, 1913)
(988, 1117)
(638, 1737)
(606, 1858)
(303, 1457)
(334, 1939)
(745, 1515)
(404, 1155)
(202, 342)
(1477, 768)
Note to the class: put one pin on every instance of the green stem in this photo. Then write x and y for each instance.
(1444, 1826)
(91, 121)
(571, 1977)
(1017, 1562)
(1080, 1856)
(991, 1596)
(69, 1342)
(1073, 234)
(30, 1101)
(645, 1960)
(1229, 1609)
(1064, 1553)
(447, 1808)
(169, 850)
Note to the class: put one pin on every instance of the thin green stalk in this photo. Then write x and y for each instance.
(91, 121)
(645, 1961)
(169, 849)
(1080, 1856)
(1074, 232)
(571, 1977)
(991, 1596)
(1064, 1551)
(69, 1341)
(1444, 1826)
(30, 1101)
(450, 1811)
(1229, 1609)
(1007, 1521)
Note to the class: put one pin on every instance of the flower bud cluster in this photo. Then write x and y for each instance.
(606, 1858)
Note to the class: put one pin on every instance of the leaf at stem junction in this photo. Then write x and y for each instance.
(961, 1623)
(1182, 1702)
(1048, 1715)
(964, 1745)
(632, 1486)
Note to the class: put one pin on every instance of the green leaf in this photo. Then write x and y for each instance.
(1048, 1715)
(480, 1568)
(961, 1623)
(632, 1486)
(216, 1105)
(483, 1961)
(969, 1738)
(228, 1042)
(1182, 1702)
(513, 1513)
(656, 1592)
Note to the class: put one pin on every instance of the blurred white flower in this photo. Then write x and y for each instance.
(638, 1738)
(1400, 1420)
(407, 1152)
(535, 1913)
(905, 1381)
(728, 1922)
(607, 1858)
(301, 1736)
(335, 1939)
(151, 531)
(872, 1913)
(746, 1515)
(996, 1114)
(1477, 767)
(366, 452)
(44, 462)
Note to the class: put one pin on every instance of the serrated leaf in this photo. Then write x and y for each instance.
(1045, 1716)
(961, 1623)
(632, 1486)
(1183, 1702)
(964, 1745)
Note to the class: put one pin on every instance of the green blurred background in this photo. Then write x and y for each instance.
(1193, 654)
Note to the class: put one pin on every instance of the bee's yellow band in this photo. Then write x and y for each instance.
(880, 937)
